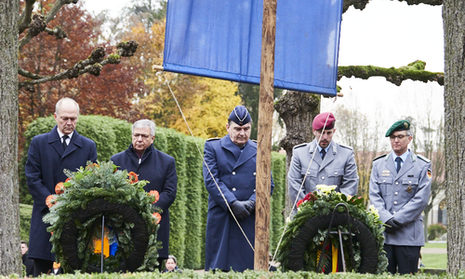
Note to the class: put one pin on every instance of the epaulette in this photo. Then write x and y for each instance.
(345, 146)
(423, 158)
(379, 157)
(300, 145)
(213, 139)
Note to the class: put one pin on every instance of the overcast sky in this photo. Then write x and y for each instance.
(387, 34)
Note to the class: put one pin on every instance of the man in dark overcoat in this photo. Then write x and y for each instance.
(229, 176)
(49, 154)
(158, 168)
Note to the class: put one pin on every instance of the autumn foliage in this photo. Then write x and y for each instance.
(109, 94)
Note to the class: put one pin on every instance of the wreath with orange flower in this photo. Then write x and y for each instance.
(307, 244)
(131, 218)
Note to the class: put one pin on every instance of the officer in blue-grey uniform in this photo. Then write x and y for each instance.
(400, 187)
(231, 167)
(330, 163)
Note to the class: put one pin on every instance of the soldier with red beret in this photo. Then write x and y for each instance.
(322, 161)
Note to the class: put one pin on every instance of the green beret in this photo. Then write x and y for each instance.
(401, 125)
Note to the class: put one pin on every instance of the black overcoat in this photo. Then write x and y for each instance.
(160, 170)
(44, 169)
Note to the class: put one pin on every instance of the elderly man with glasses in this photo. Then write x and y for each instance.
(156, 167)
(400, 187)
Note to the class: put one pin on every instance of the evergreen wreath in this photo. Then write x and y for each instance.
(304, 239)
(130, 214)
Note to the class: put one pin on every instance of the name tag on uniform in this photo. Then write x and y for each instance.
(386, 173)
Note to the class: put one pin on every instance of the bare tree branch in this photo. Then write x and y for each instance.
(25, 18)
(92, 65)
(414, 71)
(43, 22)
(361, 4)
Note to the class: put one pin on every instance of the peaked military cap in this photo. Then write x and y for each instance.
(320, 120)
(401, 125)
(240, 115)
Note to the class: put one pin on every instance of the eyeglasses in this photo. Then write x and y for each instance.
(143, 136)
(399, 137)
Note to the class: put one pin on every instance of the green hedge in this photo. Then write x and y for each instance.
(188, 213)
(110, 136)
(246, 274)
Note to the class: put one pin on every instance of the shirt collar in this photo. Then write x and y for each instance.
(326, 149)
(60, 134)
(403, 156)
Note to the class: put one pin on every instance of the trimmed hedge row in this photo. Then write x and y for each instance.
(188, 212)
(246, 274)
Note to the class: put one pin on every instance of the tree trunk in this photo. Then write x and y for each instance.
(10, 254)
(454, 106)
(297, 109)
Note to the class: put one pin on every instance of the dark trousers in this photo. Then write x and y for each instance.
(402, 259)
(42, 267)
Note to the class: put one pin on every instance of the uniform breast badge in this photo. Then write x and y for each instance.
(386, 173)
(409, 189)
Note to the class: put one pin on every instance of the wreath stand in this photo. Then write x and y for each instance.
(326, 243)
(361, 234)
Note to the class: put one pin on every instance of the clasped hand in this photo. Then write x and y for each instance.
(242, 209)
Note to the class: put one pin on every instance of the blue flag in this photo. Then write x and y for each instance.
(222, 39)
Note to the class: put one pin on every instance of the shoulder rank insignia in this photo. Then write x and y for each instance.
(345, 146)
(300, 145)
(213, 139)
(423, 158)
(379, 157)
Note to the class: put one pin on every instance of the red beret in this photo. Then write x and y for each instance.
(320, 119)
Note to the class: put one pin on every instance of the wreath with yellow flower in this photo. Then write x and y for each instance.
(308, 245)
(131, 218)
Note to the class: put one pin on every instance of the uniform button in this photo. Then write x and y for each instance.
(323, 178)
(410, 182)
(397, 183)
(254, 173)
(254, 190)
(395, 202)
(234, 189)
(384, 180)
(396, 193)
(394, 212)
(233, 173)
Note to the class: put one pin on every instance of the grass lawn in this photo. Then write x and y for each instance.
(435, 245)
(434, 260)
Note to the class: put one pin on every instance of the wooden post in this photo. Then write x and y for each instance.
(265, 120)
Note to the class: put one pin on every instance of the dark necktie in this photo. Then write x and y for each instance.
(323, 153)
(64, 141)
(398, 161)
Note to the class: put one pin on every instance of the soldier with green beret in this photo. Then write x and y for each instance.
(400, 188)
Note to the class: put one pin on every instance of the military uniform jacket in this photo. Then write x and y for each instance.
(160, 170)
(234, 170)
(45, 163)
(338, 168)
(402, 196)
